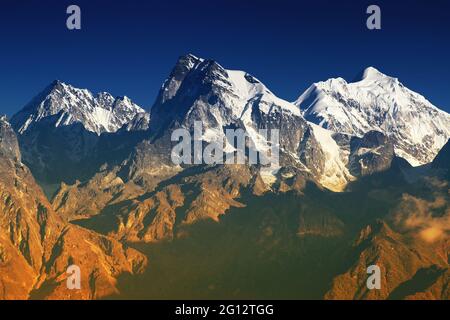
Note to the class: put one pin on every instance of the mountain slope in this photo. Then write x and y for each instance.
(202, 90)
(381, 103)
(37, 246)
(401, 260)
(221, 99)
(66, 133)
(442, 159)
(284, 223)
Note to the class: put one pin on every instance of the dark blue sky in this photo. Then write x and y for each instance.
(129, 47)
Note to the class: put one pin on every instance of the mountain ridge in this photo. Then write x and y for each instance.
(200, 89)
(332, 191)
(37, 245)
(98, 113)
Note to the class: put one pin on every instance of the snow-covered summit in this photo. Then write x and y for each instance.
(202, 90)
(381, 103)
(229, 92)
(61, 104)
(373, 74)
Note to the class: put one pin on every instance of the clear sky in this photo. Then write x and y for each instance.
(129, 47)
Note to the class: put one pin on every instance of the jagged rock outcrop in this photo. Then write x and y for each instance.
(401, 259)
(370, 154)
(37, 246)
(67, 133)
(61, 105)
(9, 146)
(185, 199)
(202, 90)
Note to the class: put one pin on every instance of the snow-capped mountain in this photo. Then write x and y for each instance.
(66, 133)
(202, 90)
(198, 87)
(63, 105)
(381, 103)
(331, 138)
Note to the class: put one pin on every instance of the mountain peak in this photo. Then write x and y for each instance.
(371, 73)
(57, 82)
(189, 61)
(61, 86)
(62, 105)
(186, 65)
(192, 57)
(377, 102)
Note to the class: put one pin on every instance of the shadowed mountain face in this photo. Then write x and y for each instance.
(66, 133)
(342, 199)
(298, 245)
(442, 160)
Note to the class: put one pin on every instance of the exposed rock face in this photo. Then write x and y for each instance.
(196, 90)
(401, 259)
(206, 194)
(202, 90)
(411, 245)
(8, 141)
(370, 154)
(82, 200)
(37, 246)
(66, 133)
(122, 185)
(101, 261)
(150, 163)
